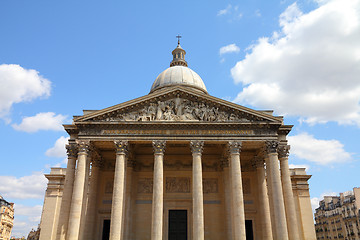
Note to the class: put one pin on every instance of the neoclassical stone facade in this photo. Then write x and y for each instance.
(6, 218)
(177, 163)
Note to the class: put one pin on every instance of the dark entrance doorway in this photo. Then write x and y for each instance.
(249, 230)
(177, 224)
(106, 230)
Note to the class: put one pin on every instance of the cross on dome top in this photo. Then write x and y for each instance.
(178, 37)
(178, 55)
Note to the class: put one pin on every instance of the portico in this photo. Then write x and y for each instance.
(179, 163)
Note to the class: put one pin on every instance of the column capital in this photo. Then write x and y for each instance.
(83, 146)
(283, 151)
(121, 146)
(234, 147)
(72, 150)
(271, 146)
(159, 146)
(197, 147)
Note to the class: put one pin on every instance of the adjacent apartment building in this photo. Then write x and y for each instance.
(338, 217)
(6, 218)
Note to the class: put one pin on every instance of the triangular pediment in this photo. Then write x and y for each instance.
(178, 104)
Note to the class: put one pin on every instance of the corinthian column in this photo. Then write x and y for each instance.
(198, 202)
(78, 193)
(263, 200)
(280, 225)
(91, 207)
(288, 193)
(158, 191)
(237, 191)
(72, 151)
(118, 191)
(128, 197)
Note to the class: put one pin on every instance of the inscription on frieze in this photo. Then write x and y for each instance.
(176, 132)
(145, 185)
(210, 185)
(177, 185)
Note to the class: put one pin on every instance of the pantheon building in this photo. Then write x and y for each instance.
(177, 164)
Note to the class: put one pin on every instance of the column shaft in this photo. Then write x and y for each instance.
(78, 194)
(85, 199)
(237, 191)
(91, 208)
(269, 188)
(228, 201)
(158, 191)
(264, 203)
(118, 191)
(72, 150)
(128, 199)
(277, 194)
(197, 194)
(291, 215)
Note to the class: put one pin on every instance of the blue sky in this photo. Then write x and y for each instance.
(301, 59)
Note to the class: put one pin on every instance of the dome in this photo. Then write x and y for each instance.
(178, 75)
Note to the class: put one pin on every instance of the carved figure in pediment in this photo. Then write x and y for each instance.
(188, 113)
(152, 111)
(179, 106)
(178, 109)
(160, 110)
(222, 117)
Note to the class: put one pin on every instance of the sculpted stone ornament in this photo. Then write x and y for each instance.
(83, 146)
(271, 146)
(72, 150)
(159, 147)
(121, 146)
(283, 151)
(196, 147)
(178, 109)
(234, 147)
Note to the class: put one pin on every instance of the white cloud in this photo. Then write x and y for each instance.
(26, 218)
(232, 11)
(319, 151)
(231, 48)
(20, 85)
(310, 68)
(225, 10)
(26, 187)
(257, 13)
(41, 121)
(58, 150)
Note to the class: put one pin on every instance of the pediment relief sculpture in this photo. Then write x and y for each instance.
(178, 109)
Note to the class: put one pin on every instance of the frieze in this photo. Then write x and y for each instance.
(178, 109)
(210, 185)
(145, 185)
(174, 129)
(176, 132)
(177, 185)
